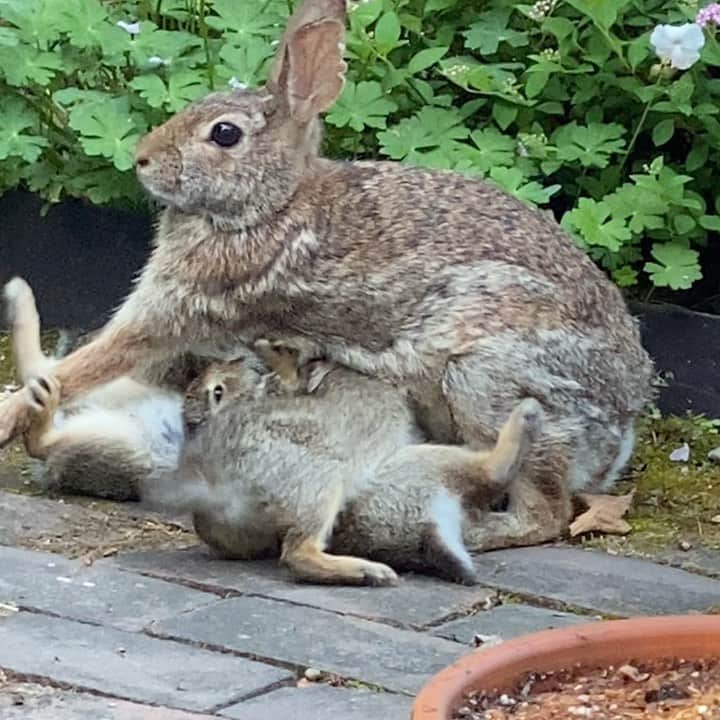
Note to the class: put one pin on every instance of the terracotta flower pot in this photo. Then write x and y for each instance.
(594, 645)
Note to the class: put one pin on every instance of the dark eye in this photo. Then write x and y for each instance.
(225, 134)
(217, 393)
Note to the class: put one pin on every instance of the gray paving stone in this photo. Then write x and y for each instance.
(400, 660)
(37, 702)
(322, 702)
(605, 583)
(96, 593)
(698, 560)
(417, 601)
(22, 515)
(507, 621)
(128, 665)
(196, 566)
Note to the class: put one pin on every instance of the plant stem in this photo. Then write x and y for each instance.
(206, 45)
(638, 128)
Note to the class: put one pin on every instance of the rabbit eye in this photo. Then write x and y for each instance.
(217, 393)
(225, 134)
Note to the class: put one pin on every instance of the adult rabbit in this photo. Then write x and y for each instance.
(443, 282)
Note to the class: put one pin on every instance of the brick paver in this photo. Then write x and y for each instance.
(174, 635)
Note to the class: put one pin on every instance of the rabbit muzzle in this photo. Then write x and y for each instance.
(158, 167)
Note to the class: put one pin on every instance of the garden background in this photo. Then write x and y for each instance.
(564, 103)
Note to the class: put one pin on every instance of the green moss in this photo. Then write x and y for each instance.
(675, 502)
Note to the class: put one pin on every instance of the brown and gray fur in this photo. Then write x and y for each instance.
(443, 282)
(260, 459)
(336, 462)
(108, 442)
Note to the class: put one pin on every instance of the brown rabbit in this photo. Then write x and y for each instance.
(439, 281)
(268, 472)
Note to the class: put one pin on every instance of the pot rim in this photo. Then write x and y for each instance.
(600, 643)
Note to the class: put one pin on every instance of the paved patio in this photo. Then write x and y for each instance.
(173, 635)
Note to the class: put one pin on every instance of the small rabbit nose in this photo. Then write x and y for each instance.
(142, 160)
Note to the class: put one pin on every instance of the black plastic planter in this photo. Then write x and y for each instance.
(79, 259)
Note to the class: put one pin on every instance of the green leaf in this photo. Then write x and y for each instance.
(536, 83)
(362, 105)
(492, 149)
(168, 45)
(8, 37)
(80, 20)
(242, 20)
(677, 266)
(698, 156)
(107, 130)
(625, 276)
(603, 13)
(513, 181)
(34, 21)
(438, 5)
(15, 119)
(710, 222)
(152, 89)
(25, 65)
(504, 114)
(184, 87)
(591, 145)
(644, 208)
(425, 59)
(246, 63)
(387, 33)
(663, 131)
(684, 223)
(638, 49)
(430, 128)
(490, 30)
(366, 13)
(591, 219)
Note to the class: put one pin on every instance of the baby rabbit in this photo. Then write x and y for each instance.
(107, 443)
(268, 472)
(442, 282)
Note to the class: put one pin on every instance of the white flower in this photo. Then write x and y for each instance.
(235, 84)
(679, 45)
(132, 28)
(157, 61)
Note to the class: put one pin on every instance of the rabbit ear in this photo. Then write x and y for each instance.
(309, 70)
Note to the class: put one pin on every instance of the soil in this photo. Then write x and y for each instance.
(673, 689)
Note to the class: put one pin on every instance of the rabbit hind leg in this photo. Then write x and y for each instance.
(444, 550)
(303, 552)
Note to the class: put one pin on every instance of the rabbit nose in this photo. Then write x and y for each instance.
(142, 160)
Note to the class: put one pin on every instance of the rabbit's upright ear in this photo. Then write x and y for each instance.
(309, 70)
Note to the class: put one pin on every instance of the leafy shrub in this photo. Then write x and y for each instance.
(563, 103)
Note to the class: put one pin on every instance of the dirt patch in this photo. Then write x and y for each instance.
(88, 529)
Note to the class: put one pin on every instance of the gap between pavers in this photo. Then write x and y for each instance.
(128, 665)
(416, 602)
(396, 659)
(506, 622)
(322, 702)
(606, 584)
(97, 594)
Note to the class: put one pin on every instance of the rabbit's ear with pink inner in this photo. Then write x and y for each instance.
(309, 70)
